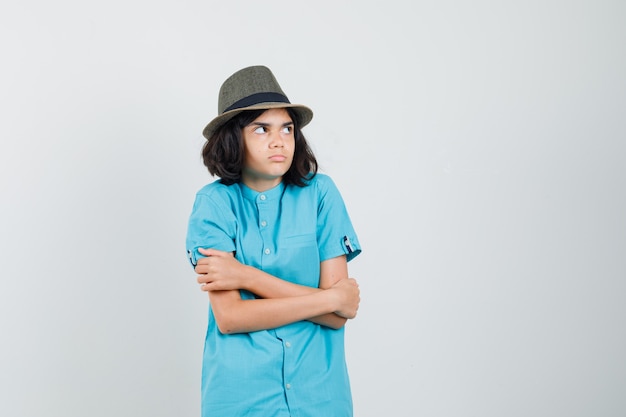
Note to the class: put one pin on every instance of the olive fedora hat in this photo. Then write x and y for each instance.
(252, 88)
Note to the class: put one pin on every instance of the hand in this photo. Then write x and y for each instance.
(348, 297)
(219, 271)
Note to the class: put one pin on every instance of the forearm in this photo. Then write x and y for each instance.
(331, 320)
(265, 285)
(234, 315)
(268, 286)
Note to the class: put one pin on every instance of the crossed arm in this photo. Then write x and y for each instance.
(282, 302)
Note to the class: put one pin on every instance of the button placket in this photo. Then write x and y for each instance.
(288, 364)
(264, 209)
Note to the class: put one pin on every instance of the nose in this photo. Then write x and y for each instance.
(277, 140)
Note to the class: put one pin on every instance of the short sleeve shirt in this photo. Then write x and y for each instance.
(298, 369)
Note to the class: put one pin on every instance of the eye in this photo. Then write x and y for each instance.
(287, 129)
(260, 130)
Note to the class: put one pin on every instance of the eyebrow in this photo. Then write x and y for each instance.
(263, 124)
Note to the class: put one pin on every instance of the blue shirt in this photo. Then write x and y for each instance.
(298, 369)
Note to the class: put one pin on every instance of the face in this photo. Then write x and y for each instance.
(269, 145)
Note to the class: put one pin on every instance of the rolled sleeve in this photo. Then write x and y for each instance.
(212, 225)
(336, 235)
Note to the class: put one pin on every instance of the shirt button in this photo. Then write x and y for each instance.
(263, 223)
(288, 344)
(288, 386)
(262, 197)
(267, 251)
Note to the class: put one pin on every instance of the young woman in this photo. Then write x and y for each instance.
(270, 241)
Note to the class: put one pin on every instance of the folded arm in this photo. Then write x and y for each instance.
(281, 302)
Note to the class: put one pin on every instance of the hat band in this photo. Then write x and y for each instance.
(257, 98)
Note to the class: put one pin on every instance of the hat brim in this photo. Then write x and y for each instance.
(305, 115)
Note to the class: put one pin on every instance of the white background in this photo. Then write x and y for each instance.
(479, 147)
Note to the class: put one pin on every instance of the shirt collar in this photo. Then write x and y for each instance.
(268, 195)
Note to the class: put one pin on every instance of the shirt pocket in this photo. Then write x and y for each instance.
(299, 241)
(299, 259)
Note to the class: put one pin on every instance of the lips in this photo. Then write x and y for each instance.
(278, 158)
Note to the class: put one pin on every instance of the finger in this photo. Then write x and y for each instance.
(203, 279)
(208, 251)
(203, 261)
(211, 252)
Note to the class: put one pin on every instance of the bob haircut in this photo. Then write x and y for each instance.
(223, 152)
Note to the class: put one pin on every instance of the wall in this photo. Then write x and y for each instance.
(479, 147)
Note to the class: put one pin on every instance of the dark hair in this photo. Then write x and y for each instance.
(223, 152)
